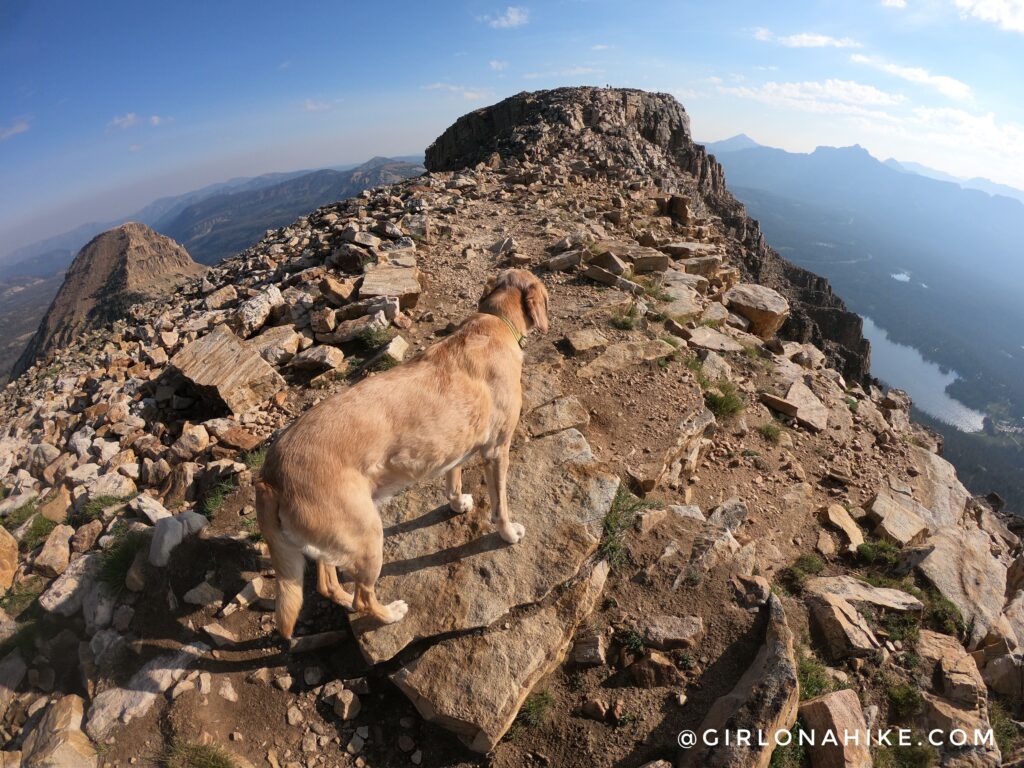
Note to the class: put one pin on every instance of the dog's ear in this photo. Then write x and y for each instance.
(535, 305)
(489, 288)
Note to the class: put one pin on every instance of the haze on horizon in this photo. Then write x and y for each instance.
(106, 108)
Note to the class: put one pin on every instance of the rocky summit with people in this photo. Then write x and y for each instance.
(729, 525)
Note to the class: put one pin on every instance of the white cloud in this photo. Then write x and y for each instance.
(1007, 14)
(947, 86)
(600, 47)
(18, 126)
(804, 40)
(126, 120)
(498, 66)
(894, 3)
(312, 105)
(156, 120)
(829, 96)
(514, 16)
(570, 72)
(466, 92)
(134, 147)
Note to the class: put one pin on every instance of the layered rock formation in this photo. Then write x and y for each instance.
(123, 266)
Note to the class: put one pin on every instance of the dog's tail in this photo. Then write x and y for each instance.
(289, 562)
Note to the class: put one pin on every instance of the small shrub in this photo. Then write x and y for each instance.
(1004, 729)
(813, 677)
(252, 529)
(534, 711)
(723, 401)
(116, 561)
(793, 754)
(620, 516)
(941, 615)
(21, 596)
(17, 517)
(881, 553)
(36, 532)
(372, 338)
(852, 404)
(918, 754)
(216, 496)
(911, 660)
(904, 699)
(685, 662)
(632, 641)
(902, 627)
(770, 431)
(626, 321)
(794, 576)
(182, 754)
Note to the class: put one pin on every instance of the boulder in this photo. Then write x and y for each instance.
(55, 505)
(319, 357)
(169, 532)
(277, 345)
(385, 280)
(55, 555)
(555, 486)
(588, 338)
(765, 699)
(253, 313)
(837, 516)
(66, 594)
(839, 714)
(960, 565)
(810, 411)
(765, 308)
(896, 520)
(12, 672)
(626, 354)
(708, 338)
(8, 559)
(561, 413)
(57, 741)
(667, 632)
(221, 367)
(675, 455)
(474, 685)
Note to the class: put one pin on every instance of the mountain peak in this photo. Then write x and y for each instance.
(117, 268)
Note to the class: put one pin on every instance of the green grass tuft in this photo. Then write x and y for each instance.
(794, 577)
(618, 520)
(1004, 729)
(182, 754)
(626, 321)
(631, 640)
(881, 553)
(793, 754)
(942, 615)
(904, 699)
(93, 509)
(914, 755)
(21, 596)
(254, 459)
(216, 496)
(17, 517)
(813, 677)
(770, 431)
(116, 561)
(723, 400)
(36, 532)
(252, 529)
(535, 709)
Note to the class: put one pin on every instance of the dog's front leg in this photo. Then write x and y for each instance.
(497, 469)
(459, 502)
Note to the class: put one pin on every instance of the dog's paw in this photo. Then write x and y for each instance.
(395, 611)
(462, 503)
(514, 533)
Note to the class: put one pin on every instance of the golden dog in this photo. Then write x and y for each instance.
(323, 478)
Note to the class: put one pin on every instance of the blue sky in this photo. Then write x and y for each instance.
(106, 106)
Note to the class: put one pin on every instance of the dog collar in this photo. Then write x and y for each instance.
(520, 339)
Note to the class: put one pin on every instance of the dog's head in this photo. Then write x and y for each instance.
(517, 288)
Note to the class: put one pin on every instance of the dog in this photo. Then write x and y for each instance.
(324, 478)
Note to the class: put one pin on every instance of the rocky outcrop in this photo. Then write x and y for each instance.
(121, 267)
(626, 133)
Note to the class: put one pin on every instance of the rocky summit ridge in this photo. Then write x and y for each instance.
(728, 526)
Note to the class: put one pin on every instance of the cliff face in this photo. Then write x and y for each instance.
(634, 134)
(120, 267)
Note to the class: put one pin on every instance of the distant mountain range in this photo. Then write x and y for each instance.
(935, 263)
(220, 219)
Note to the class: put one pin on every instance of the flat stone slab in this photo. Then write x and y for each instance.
(455, 571)
(856, 591)
(709, 338)
(474, 685)
(624, 354)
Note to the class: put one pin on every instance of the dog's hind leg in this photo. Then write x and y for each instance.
(497, 468)
(366, 562)
(327, 584)
(459, 502)
(288, 560)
